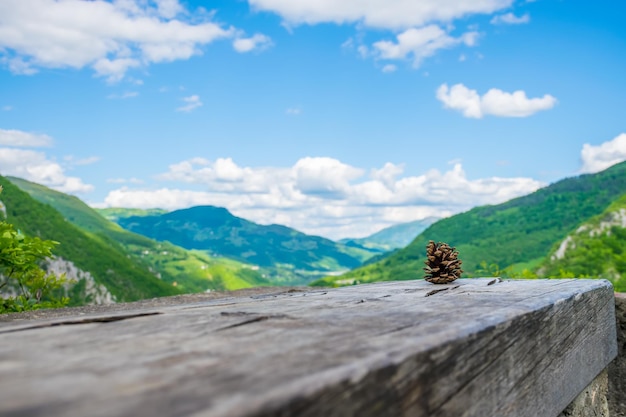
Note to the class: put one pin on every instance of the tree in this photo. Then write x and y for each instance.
(24, 285)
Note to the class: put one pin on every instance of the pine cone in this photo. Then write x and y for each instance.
(443, 265)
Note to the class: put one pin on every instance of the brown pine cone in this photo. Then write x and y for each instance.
(443, 265)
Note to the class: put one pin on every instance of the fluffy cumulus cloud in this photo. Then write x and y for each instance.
(598, 158)
(256, 42)
(327, 177)
(494, 102)
(420, 43)
(35, 165)
(510, 19)
(423, 27)
(322, 195)
(385, 14)
(111, 37)
(23, 139)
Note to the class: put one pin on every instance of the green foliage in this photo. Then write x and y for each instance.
(19, 265)
(520, 231)
(494, 270)
(103, 257)
(597, 249)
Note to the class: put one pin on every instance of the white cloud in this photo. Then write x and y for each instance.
(17, 65)
(132, 180)
(123, 96)
(71, 161)
(169, 8)
(258, 42)
(389, 68)
(420, 23)
(294, 111)
(324, 176)
(495, 102)
(322, 195)
(192, 103)
(421, 43)
(387, 14)
(109, 36)
(23, 139)
(510, 19)
(363, 51)
(598, 158)
(35, 166)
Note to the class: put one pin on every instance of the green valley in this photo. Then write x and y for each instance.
(287, 256)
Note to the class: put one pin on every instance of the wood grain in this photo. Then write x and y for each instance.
(511, 348)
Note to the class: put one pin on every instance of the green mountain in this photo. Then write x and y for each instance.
(517, 234)
(187, 271)
(100, 265)
(597, 248)
(285, 254)
(393, 237)
(115, 213)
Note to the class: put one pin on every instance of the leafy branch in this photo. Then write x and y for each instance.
(20, 258)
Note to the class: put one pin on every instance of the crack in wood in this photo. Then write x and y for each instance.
(209, 304)
(433, 292)
(365, 300)
(86, 320)
(237, 313)
(396, 329)
(289, 293)
(250, 321)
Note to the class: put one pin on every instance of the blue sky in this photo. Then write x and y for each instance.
(336, 118)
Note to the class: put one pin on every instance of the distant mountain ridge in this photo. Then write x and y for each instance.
(183, 270)
(393, 237)
(518, 233)
(114, 213)
(293, 255)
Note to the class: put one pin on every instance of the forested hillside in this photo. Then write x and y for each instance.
(519, 233)
(597, 248)
(188, 271)
(106, 261)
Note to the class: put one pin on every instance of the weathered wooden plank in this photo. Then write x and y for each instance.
(479, 348)
(617, 368)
